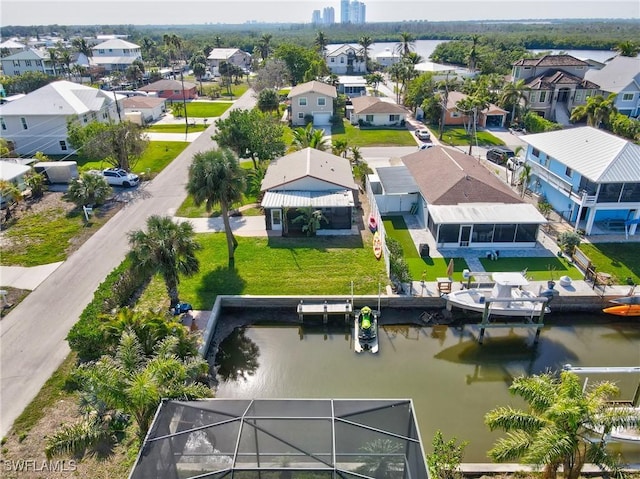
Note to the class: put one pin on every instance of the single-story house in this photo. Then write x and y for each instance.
(373, 111)
(309, 178)
(233, 56)
(352, 85)
(151, 108)
(314, 99)
(38, 121)
(463, 204)
(589, 176)
(172, 90)
(492, 116)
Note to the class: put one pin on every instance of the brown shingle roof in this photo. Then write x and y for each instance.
(447, 176)
(455, 96)
(168, 85)
(555, 78)
(551, 61)
(315, 87)
(371, 105)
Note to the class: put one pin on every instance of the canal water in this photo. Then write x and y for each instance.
(452, 380)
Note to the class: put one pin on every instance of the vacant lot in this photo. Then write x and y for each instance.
(356, 136)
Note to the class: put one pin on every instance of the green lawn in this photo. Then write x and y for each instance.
(156, 157)
(457, 136)
(176, 128)
(372, 136)
(277, 266)
(620, 260)
(207, 109)
(538, 269)
(396, 228)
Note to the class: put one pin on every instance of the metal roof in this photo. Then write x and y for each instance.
(302, 199)
(595, 154)
(483, 213)
(617, 75)
(397, 180)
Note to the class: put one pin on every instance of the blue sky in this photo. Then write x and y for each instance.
(140, 12)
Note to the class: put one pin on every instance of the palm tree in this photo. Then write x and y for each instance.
(308, 137)
(88, 189)
(473, 53)
(365, 42)
(12, 194)
(168, 249)
(525, 177)
(54, 58)
(81, 46)
(215, 177)
(406, 45)
(513, 94)
(374, 79)
(310, 218)
(321, 43)
(147, 45)
(340, 147)
(627, 48)
(264, 46)
(597, 110)
(269, 101)
(565, 424)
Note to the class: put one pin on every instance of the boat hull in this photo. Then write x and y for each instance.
(626, 300)
(623, 310)
(475, 300)
(363, 342)
(377, 245)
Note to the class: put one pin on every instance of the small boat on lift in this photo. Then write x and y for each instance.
(366, 330)
(624, 306)
(377, 245)
(506, 297)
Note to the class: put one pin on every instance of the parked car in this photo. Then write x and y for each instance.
(423, 135)
(500, 154)
(425, 145)
(515, 163)
(120, 177)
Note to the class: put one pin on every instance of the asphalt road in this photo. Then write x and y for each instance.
(32, 337)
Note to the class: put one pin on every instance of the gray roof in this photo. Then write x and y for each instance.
(309, 163)
(59, 98)
(481, 213)
(313, 87)
(143, 102)
(302, 199)
(115, 44)
(224, 53)
(562, 60)
(397, 180)
(112, 60)
(343, 49)
(161, 85)
(617, 75)
(595, 154)
(30, 54)
(9, 170)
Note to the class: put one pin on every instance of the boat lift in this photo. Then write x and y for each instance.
(607, 370)
(529, 323)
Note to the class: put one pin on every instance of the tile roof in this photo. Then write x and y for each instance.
(617, 75)
(309, 163)
(551, 61)
(594, 153)
(313, 87)
(370, 105)
(59, 98)
(447, 176)
(552, 78)
(162, 85)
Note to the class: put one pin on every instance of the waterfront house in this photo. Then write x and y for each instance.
(313, 99)
(38, 121)
(115, 55)
(309, 178)
(589, 176)
(621, 76)
(347, 60)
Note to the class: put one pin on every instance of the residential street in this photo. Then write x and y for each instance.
(32, 337)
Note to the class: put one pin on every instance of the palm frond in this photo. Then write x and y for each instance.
(512, 447)
(510, 419)
(75, 439)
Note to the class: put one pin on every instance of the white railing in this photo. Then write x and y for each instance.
(551, 178)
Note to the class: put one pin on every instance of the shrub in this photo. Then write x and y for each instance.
(568, 240)
(308, 118)
(534, 123)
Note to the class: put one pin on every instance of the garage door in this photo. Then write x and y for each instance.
(321, 118)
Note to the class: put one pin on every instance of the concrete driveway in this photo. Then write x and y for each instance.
(33, 337)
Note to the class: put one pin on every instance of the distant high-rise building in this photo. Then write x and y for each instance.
(316, 17)
(328, 16)
(352, 11)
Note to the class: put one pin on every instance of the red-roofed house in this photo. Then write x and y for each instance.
(172, 89)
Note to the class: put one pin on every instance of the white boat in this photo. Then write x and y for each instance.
(366, 330)
(626, 300)
(506, 297)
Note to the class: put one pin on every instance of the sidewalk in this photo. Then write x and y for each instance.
(21, 277)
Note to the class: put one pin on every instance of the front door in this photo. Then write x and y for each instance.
(276, 220)
(465, 235)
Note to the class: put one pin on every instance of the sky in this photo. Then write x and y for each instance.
(178, 12)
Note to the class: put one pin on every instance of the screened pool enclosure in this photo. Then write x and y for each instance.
(283, 438)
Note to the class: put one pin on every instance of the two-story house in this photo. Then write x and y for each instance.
(29, 60)
(12, 46)
(347, 60)
(313, 99)
(232, 56)
(621, 76)
(115, 55)
(589, 176)
(556, 84)
(38, 121)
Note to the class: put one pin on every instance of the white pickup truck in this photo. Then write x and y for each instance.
(120, 177)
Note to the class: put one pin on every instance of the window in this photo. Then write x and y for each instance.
(322, 101)
(578, 96)
(369, 118)
(302, 101)
(16, 63)
(3, 124)
(517, 72)
(300, 115)
(449, 233)
(333, 60)
(532, 97)
(627, 96)
(101, 50)
(27, 63)
(535, 152)
(543, 96)
(527, 68)
(38, 63)
(394, 118)
(455, 114)
(63, 145)
(24, 123)
(341, 59)
(568, 172)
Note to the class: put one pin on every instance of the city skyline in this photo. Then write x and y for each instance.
(160, 12)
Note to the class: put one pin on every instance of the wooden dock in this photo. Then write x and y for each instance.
(325, 309)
